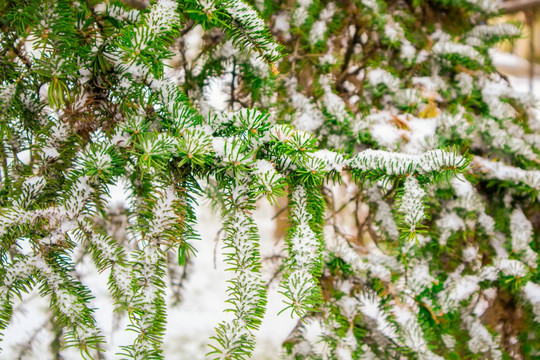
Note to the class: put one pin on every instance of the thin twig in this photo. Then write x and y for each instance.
(342, 207)
(279, 212)
(216, 240)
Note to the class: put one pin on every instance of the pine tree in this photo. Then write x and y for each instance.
(395, 103)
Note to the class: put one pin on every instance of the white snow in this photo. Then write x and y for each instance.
(190, 325)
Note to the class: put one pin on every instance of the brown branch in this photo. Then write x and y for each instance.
(359, 237)
(347, 58)
(232, 84)
(279, 212)
(17, 51)
(511, 7)
(530, 16)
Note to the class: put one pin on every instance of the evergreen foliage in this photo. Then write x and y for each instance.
(396, 101)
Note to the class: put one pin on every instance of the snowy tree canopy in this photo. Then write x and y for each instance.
(409, 164)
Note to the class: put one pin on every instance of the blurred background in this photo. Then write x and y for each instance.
(520, 61)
